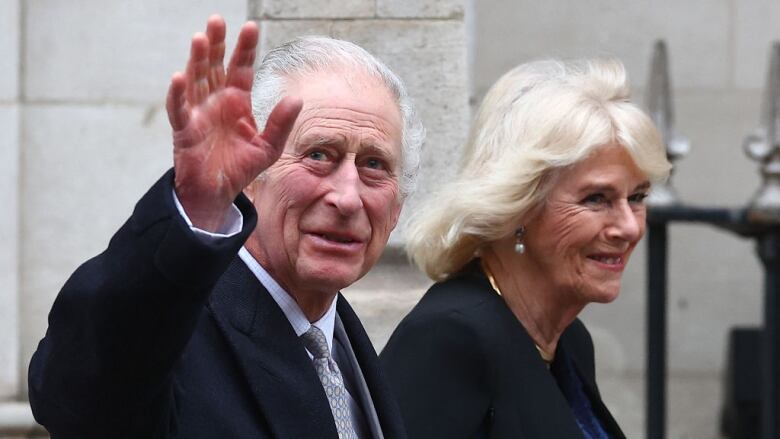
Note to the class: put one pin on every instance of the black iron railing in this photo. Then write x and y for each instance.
(759, 221)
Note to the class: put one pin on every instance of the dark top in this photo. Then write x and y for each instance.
(462, 366)
(573, 389)
(165, 336)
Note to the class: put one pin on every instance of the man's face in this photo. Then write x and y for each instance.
(327, 206)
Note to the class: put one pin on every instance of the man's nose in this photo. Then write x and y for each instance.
(344, 194)
(626, 224)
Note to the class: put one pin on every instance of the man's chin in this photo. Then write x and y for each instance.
(330, 278)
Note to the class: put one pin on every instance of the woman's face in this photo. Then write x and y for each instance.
(585, 232)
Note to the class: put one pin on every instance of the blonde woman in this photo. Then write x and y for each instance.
(540, 221)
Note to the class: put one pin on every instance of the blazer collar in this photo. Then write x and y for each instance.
(539, 381)
(549, 414)
(272, 358)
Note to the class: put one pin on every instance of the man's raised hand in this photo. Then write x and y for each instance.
(217, 150)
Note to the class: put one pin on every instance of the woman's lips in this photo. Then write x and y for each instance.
(612, 261)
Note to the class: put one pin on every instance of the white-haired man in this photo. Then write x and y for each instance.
(194, 323)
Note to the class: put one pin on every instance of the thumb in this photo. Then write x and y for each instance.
(280, 122)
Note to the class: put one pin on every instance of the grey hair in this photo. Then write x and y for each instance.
(311, 54)
(535, 121)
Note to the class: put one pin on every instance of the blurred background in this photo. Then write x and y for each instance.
(83, 134)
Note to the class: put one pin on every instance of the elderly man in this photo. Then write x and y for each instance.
(204, 319)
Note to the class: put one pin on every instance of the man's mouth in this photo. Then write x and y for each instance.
(336, 238)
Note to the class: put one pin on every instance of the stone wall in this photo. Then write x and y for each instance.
(9, 194)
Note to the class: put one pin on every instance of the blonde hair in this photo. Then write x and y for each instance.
(538, 119)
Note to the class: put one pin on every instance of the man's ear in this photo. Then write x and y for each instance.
(251, 190)
(396, 213)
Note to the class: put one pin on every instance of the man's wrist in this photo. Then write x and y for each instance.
(231, 224)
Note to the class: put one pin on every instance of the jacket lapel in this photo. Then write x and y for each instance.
(271, 357)
(385, 404)
(548, 414)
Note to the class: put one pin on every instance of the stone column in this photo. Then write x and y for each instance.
(423, 41)
(9, 199)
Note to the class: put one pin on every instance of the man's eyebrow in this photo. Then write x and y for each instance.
(318, 139)
(377, 149)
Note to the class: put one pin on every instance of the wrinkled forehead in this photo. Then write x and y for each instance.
(344, 91)
(356, 77)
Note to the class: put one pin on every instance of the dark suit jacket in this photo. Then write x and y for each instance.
(163, 336)
(462, 366)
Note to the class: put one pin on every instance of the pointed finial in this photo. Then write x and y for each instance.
(764, 146)
(659, 104)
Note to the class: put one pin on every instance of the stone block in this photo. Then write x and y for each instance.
(84, 169)
(312, 9)
(275, 33)
(430, 57)
(508, 33)
(755, 29)
(9, 48)
(126, 52)
(420, 8)
(9, 251)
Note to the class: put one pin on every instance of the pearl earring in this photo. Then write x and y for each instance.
(519, 246)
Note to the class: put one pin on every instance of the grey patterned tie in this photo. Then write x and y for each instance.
(331, 379)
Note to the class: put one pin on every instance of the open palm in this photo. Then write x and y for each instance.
(217, 149)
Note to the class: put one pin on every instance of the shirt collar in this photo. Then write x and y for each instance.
(289, 306)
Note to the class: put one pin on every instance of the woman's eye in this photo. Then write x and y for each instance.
(597, 198)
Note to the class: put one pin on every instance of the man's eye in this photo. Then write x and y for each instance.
(375, 164)
(317, 155)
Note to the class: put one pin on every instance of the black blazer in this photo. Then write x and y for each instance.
(462, 366)
(163, 336)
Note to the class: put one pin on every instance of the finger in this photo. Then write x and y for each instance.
(176, 104)
(240, 69)
(197, 69)
(215, 31)
(245, 127)
(281, 121)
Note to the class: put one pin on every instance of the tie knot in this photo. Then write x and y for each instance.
(315, 342)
